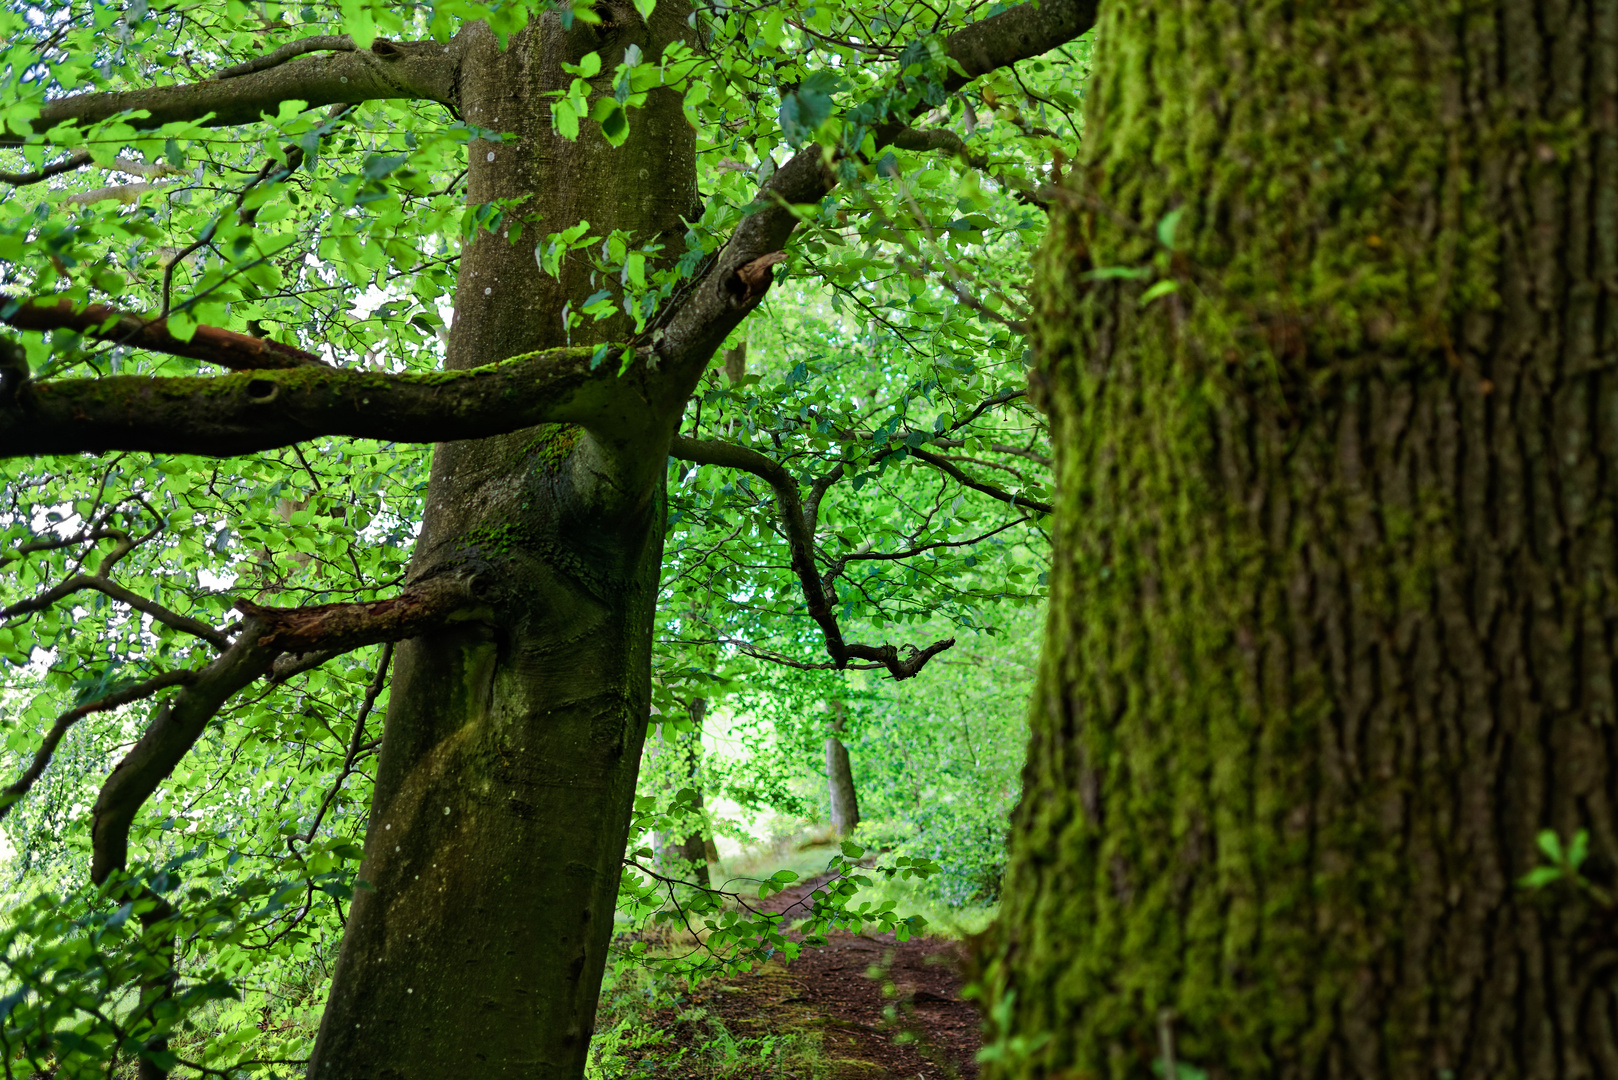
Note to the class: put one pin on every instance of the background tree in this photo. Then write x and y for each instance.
(1326, 331)
(312, 252)
(845, 802)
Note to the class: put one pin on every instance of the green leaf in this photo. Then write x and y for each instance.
(1109, 273)
(1540, 876)
(182, 326)
(566, 119)
(1157, 289)
(587, 68)
(1167, 226)
(358, 23)
(803, 111)
(1578, 850)
(615, 126)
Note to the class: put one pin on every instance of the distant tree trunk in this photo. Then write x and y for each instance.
(845, 807)
(507, 771)
(1335, 593)
(697, 849)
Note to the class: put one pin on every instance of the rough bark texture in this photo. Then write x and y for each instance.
(845, 807)
(508, 763)
(1333, 611)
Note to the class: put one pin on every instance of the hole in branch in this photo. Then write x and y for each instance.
(262, 390)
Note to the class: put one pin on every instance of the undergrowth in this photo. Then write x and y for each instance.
(648, 1028)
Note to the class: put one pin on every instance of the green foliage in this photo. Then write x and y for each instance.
(88, 972)
(647, 1027)
(896, 332)
(730, 932)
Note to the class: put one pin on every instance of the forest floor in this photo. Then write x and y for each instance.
(879, 1009)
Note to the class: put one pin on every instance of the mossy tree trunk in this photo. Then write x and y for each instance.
(509, 756)
(1332, 620)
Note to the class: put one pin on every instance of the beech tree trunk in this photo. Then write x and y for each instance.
(1333, 607)
(508, 763)
(845, 806)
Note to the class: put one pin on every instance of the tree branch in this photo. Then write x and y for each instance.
(388, 69)
(58, 542)
(80, 582)
(696, 328)
(245, 413)
(913, 661)
(1015, 501)
(354, 741)
(800, 541)
(340, 628)
(53, 738)
(56, 168)
(240, 352)
(924, 140)
(264, 635)
(290, 51)
(1000, 448)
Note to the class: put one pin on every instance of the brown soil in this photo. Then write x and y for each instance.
(888, 1010)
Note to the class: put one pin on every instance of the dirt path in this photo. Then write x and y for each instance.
(860, 1007)
(888, 1009)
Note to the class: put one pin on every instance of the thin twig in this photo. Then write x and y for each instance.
(354, 746)
(57, 168)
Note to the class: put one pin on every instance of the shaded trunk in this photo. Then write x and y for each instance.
(845, 807)
(1333, 606)
(508, 763)
(696, 851)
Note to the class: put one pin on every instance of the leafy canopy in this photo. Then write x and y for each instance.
(888, 366)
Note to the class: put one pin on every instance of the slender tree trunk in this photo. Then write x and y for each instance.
(1332, 617)
(696, 851)
(507, 770)
(845, 807)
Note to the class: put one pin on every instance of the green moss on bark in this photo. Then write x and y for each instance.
(1322, 583)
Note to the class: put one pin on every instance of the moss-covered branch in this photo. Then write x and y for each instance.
(252, 411)
(388, 69)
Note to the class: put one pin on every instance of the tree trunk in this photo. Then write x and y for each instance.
(845, 808)
(1333, 606)
(469, 952)
(696, 850)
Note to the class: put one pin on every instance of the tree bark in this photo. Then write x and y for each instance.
(845, 807)
(1331, 635)
(508, 763)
